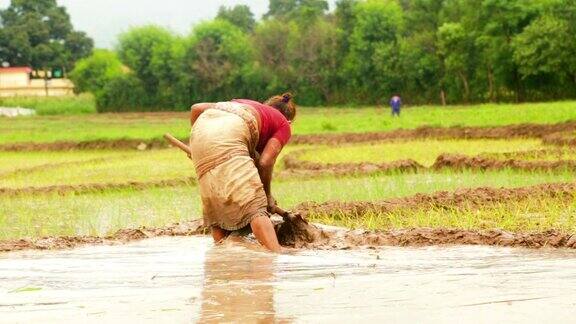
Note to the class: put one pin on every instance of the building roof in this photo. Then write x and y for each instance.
(23, 69)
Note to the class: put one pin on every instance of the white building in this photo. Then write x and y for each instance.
(15, 77)
(17, 81)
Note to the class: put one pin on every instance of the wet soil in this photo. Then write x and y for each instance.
(296, 167)
(455, 161)
(293, 163)
(94, 187)
(120, 144)
(120, 237)
(560, 139)
(522, 130)
(461, 198)
(296, 232)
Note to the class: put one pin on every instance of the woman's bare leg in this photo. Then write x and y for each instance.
(263, 229)
(219, 234)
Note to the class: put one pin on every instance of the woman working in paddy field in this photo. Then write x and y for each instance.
(234, 147)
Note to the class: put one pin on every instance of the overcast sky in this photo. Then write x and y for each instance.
(103, 20)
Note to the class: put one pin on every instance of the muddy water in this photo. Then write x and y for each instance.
(189, 280)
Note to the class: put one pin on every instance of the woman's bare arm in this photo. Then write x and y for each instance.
(198, 109)
(266, 167)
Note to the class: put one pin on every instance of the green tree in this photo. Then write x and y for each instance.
(313, 52)
(345, 21)
(546, 47)
(456, 48)
(239, 15)
(372, 63)
(302, 10)
(147, 51)
(272, 39)
(421, 66)
(498, 22)
(93, 73)
(216, 57)
(39, 33)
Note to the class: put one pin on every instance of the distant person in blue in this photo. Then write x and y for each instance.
(396, 104)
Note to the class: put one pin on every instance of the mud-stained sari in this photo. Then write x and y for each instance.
(223, 143)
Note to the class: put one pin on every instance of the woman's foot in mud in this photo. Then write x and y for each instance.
(219, 234)
(263, 229)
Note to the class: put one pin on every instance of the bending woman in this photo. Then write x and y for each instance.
(234, 148)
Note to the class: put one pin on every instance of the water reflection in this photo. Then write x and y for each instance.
(238, 286)
(187, 280)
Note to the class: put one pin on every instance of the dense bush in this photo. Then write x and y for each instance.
(93, 73)
(123, 93)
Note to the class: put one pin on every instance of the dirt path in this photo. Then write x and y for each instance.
(523, 130)
(294, 166)
(94, 187)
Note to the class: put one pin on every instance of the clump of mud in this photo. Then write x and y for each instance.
(294, 231)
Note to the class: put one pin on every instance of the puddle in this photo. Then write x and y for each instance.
(189, 280)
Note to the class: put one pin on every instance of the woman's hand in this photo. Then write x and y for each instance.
(271, 204)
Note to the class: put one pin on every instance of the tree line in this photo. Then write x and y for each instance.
(39, 34)
(362, 52)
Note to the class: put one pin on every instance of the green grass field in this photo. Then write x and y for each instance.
(101, 213)
(72, 105)
(105, 212)
(113, 167)
(42, 129)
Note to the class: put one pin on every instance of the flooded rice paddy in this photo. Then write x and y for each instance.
(190, 280)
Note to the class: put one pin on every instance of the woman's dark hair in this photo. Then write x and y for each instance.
(285, 104)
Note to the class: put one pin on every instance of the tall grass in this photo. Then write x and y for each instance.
(554, 213)
(68, 105)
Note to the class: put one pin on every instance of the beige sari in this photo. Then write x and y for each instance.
(223, 143)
